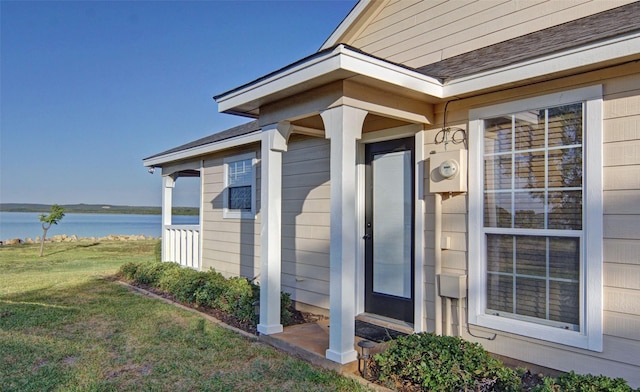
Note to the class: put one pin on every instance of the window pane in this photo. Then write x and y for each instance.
(565, 210)
(564, 257)
(499, 253)
(529, 210)
(565, 125)
(531, 297)
(565, 168)
(497, 172)
(240, 198)
(497, 210)
(564, 302)
(497, 135)
(529, 129)
(529, 170)
(533, 173)
(500, 293)
(240, 172)
(531, 255)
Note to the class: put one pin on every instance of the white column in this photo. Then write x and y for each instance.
(343, 126)
(168, 183)
(274, 142)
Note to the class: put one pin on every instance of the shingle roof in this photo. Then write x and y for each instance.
(590, 29)
(604, 25)
(216, 137)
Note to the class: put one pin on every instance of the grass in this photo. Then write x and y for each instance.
(65, 326)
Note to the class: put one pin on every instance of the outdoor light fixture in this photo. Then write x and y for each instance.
(152, 169)
(364, 356)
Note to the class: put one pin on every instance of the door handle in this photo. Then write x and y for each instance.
(366, 237)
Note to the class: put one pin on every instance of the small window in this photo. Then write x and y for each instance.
(239, 193)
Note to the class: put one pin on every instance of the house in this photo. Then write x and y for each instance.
(463, 167)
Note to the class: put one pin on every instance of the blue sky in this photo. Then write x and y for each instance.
(90, 88)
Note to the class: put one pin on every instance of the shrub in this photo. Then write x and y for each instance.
(212, 288)
(150, 273)
(234, 296)
(444, 363)
(237, 299)
(128, 270)
(584, 383)
(182, 283)
(286, 316)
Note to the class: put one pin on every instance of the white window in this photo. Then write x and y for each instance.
(240, 186)
(535, 217)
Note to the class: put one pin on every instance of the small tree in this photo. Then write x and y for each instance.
(55, 216)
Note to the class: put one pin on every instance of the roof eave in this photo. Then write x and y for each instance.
(159, 160)
(601, 52)
(339, 63)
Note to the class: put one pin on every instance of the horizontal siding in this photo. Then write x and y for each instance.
(306, 220)
(621, 251)
(230, 246)
(621, 200)
(418, 33)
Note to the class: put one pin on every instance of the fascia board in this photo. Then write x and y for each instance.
(278, 82)
(204, 149)
(340, 59)
(612, 49)
(393, 74)
(345, 24)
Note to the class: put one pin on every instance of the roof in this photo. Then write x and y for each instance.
(607, 24)
(239, 130)
(602, 26)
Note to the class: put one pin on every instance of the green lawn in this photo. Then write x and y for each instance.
(65, 326)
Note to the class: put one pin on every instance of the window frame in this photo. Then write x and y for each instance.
(227, 212)
(589, 334)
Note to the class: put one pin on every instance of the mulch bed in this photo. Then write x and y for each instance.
(298, 317)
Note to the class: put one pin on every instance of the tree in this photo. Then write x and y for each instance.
(55, 216)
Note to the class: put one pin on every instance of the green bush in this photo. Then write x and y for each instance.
(234, 296)
(286, 316)
(237, 299)
(584, 383)
(128, 270)
(212, 288)
(182, 283)
(444, 363)
(150, 273)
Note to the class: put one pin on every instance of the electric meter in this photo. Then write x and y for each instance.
(449, 168)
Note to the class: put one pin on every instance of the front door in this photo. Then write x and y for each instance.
(389, 228)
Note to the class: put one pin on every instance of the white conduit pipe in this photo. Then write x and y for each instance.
(447, 318)
(438, 260)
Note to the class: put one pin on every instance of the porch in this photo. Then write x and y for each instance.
(310, 341)
(181, 243)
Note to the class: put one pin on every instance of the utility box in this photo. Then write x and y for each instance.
(453, 285)
(448, 171)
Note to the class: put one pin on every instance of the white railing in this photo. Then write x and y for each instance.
(181, 244)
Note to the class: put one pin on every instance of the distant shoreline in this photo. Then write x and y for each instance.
(95, 209)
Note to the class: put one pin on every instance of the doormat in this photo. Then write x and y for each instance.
(375, 333)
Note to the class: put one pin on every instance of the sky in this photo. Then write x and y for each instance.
(90, 88)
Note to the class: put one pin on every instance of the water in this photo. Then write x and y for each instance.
(27, 225)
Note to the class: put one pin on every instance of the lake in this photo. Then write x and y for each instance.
(26, 224)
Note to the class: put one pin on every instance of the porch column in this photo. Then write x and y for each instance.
(168, 183)
(274, 142)
(343, 126)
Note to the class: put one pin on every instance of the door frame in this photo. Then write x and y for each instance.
(415, 130)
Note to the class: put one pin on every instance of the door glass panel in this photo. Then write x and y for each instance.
(392, 222)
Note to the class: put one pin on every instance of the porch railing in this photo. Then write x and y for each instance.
(182, 245)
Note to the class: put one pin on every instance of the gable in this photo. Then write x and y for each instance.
(417, 33)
